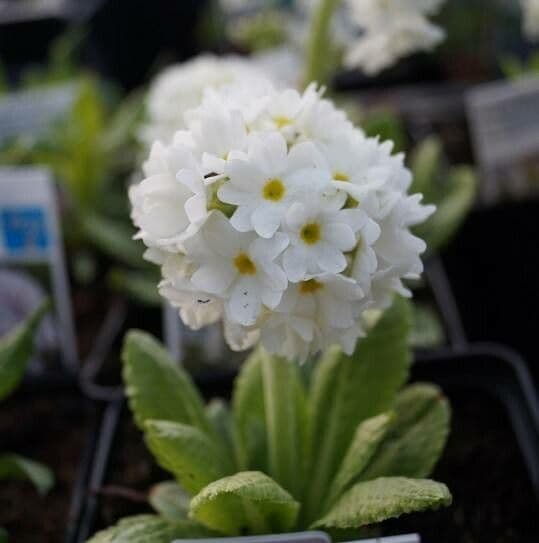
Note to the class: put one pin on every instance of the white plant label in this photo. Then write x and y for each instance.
(30, 234)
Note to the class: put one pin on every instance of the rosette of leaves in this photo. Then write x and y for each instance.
(15, 351)
(338, 448)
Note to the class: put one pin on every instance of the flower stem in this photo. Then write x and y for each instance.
(319, 48)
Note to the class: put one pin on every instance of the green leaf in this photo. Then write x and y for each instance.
(150, 529)
(141, 287)
(452, 208)
(348, 390)
(16, 348)
(170, 500)
(286, 421)
(157, 387)
(16, 467)
(417, 436)
(3, 533)
(425, 163)
(428, 330)
(245, 503)
(113, 238)
(250, 415)
(221, 420)
(365, 443)
(374, 501)
(186, 452)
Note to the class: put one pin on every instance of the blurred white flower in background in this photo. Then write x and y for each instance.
(530, 10)
(269, 211)
(180, 88)
(391, 30)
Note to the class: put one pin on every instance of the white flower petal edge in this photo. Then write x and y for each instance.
(270, 212)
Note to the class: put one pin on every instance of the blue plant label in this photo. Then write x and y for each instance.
(24, 230)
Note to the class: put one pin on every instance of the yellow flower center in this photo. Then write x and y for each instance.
(311, 233)
(341, 176)
(310, 287)
(281, 121)
(244, 264)
(274, 190)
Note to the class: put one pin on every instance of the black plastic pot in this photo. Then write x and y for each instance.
(493, 266)
(51, 422)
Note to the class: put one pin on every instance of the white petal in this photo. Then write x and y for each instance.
(212, 279)
(245, 302)
(340, 235)
(329, 258)
(266, 219)
(295, 264)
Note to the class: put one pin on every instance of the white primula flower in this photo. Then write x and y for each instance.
(310, 313)
(268, 211)
(530, 14)
(169, 204)
(239, 268)
(180, 88)
(268, 180)
(391, 30)
(320, 233)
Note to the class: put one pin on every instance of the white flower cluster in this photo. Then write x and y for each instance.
(530, 9)
(272, 213)
(180, 87)
(391, 30)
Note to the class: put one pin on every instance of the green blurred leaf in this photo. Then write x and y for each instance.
(141, 287)
(386, 125)
(365, 444)
(348, 390)
(375, 501)
(150, 529)
(221, 420)
(16, 467)
(417, 436)
(187, 452)
(156, 386)
(426, 164)
(113, 238)
(250, 415)
(170, 500)
(452, 209)
(16, 348)
(3, 535)
(286, 422)
(428, 330)
(247, 502)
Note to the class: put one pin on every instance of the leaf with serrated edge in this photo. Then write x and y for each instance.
(417, 436)
(16, 348)
(365, 444)
(247, 502)
(170, 500)
(150, 529)
(157, 388)
(348, 390)
(13, 466)
(186, 452)
(381, 499)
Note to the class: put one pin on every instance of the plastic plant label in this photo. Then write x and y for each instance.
(30, 239)
(29, 114)
(300, 537)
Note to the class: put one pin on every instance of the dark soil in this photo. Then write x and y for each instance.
(494, 501)
(52, 429)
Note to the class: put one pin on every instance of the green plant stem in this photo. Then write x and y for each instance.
(319, 45)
